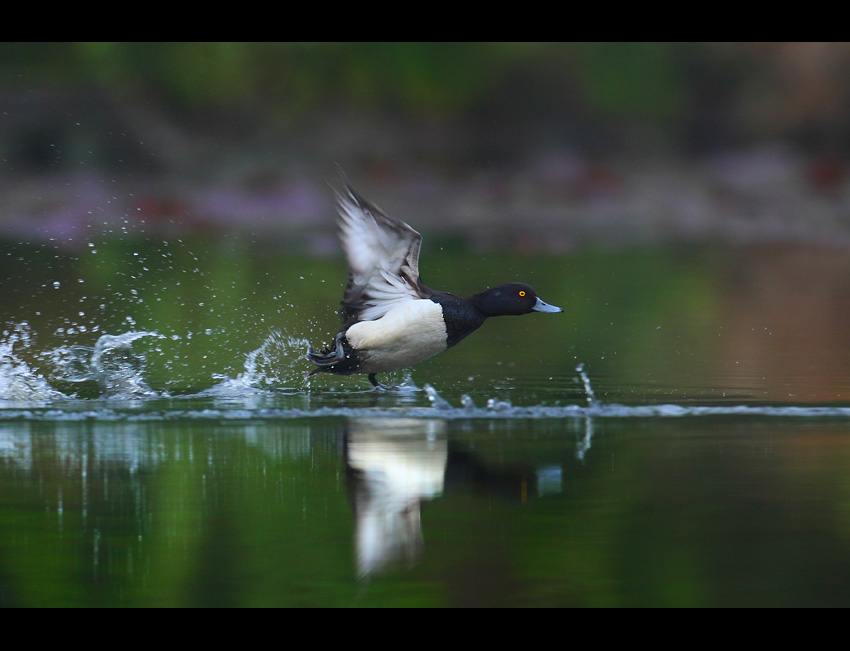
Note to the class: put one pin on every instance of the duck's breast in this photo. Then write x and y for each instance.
(410, 332)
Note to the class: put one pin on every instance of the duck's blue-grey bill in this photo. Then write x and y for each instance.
(540, 306)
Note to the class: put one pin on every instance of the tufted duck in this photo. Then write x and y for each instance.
(391, 320)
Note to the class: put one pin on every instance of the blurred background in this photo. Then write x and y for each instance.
(168, 249)
(510, 146)
(664, 193)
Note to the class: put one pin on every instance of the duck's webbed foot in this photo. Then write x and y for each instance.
(373, 378)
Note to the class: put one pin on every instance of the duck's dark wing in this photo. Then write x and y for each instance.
(383, 259)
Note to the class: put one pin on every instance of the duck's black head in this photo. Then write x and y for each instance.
(513, 298)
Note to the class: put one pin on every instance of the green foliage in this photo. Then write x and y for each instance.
(631, 79)
(417, 78)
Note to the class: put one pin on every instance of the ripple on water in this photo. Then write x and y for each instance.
(144, 411)
(273, 385)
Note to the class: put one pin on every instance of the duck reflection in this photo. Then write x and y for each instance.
(393, 465)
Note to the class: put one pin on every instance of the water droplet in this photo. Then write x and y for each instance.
(588, 390)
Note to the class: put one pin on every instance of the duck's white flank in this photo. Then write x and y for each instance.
(408, 333)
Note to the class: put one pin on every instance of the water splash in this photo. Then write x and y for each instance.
(588, 390)
(437, 401)
(18, 381)
(111, 363)
(113, 368)
(467, 404)
(273, 385)
(276, 365)
(141, 411)
(494, 404)
(406, 387)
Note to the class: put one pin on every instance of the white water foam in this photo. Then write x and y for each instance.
(277, 365)
(118, 370)
(274, 370)
(439, 408)
(517, 413)
(111, 363)
(18, 381)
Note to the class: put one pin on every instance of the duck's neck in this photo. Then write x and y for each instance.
(459, 319)
(483, 303)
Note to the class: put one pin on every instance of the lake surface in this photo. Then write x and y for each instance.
(680, 436)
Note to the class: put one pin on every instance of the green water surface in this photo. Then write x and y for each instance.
(194, 465)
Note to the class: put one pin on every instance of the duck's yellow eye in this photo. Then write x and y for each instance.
(522, 292)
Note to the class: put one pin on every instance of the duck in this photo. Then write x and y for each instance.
(391, 320)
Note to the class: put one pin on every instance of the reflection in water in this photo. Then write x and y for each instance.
(210, 472)
(697, 510)
(152, 512)
(583, 445)
(141, 514)
(784, 315)
(393, 465)
(396, 464)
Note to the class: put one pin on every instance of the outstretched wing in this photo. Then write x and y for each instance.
(383, 259)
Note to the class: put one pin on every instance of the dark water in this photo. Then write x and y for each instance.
(678, 437)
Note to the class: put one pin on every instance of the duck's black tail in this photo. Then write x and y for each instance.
(329, 356)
